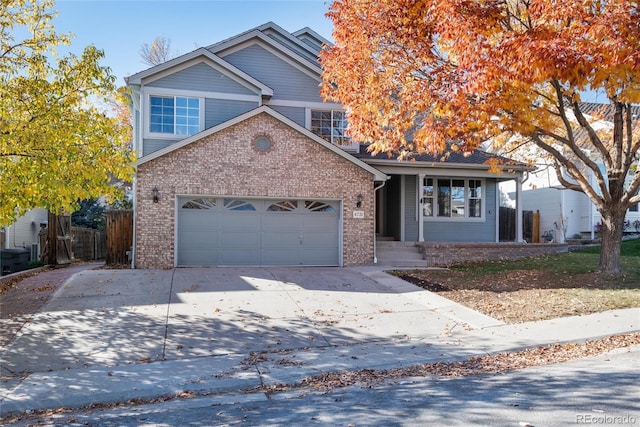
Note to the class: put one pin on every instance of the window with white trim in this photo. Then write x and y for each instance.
(330, 125)
(452, 198)
(174, 115)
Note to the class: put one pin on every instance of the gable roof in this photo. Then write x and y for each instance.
(295, 50)
(160, 70)
(378, 176)
(312, 38)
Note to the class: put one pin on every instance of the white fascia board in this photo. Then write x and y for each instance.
(317, 37)
(304, 104)
(395, 167)
(158, 90)
(193, 58)
(289, 36)
(378, 176)
(266, 27)
(240, 42)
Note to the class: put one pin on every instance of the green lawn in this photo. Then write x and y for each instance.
(572, 263)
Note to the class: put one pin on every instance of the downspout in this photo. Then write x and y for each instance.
(137, 147)
(135, 205)
(375, 242)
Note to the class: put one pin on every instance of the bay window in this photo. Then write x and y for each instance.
(452, 198)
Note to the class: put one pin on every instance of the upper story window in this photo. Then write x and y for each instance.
(174, 115)
(330, 125)
(452, 198)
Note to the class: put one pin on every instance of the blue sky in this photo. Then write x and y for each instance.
(120, 27)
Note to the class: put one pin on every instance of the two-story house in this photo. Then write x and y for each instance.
(241, 162)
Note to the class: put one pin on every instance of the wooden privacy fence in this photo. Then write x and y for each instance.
(507, 223)
(88, 243)
(119, 236)
(55, 240)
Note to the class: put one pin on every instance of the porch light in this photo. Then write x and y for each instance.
(359, 201)
(156, 194)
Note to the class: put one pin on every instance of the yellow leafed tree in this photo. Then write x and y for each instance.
(510, 73)
(57, 144)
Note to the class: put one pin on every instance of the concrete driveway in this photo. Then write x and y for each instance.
(115, 317)
(115, 335)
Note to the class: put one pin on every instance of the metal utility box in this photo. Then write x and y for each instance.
(13, 260)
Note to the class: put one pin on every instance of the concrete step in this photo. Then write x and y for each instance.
(399, 254)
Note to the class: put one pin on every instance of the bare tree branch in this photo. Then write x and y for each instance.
(158, 52)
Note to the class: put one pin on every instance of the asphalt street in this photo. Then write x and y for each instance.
(601, 390)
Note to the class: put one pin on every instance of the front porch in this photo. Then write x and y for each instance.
(461, 206)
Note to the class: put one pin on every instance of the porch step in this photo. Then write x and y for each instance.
(399, 254)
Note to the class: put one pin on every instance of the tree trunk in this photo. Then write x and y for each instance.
(612, 231)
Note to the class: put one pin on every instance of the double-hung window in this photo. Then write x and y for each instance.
(174, 115)
(330, 125)
(452, 198)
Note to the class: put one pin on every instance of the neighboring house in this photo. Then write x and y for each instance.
(19, 242)
(241, 162)
(23, 233)
(566, 213)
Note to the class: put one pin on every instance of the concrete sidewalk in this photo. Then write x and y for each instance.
(115, 335)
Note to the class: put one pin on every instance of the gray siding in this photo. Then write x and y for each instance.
(467, 231)
(217, 111)
(411, 225)
(151, 145)
(294, 113)
(286, 81)
(294, 47)
(201, 77)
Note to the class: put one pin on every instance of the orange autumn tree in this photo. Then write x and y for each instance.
(455, 74)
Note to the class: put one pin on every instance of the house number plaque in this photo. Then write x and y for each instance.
(358, 214)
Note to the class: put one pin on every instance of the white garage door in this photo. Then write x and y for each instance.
(232, 231)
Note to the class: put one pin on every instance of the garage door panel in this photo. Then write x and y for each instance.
(319, 257)
(198, 221)
(280, 256)
(239, 239)
(198, 239)
(280, 221)
(227, 231)
(230, 256)
(240, 220)
(198, 256)
(319, 238)
(284, 238)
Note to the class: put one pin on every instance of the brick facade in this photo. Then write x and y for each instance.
(227, 163)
